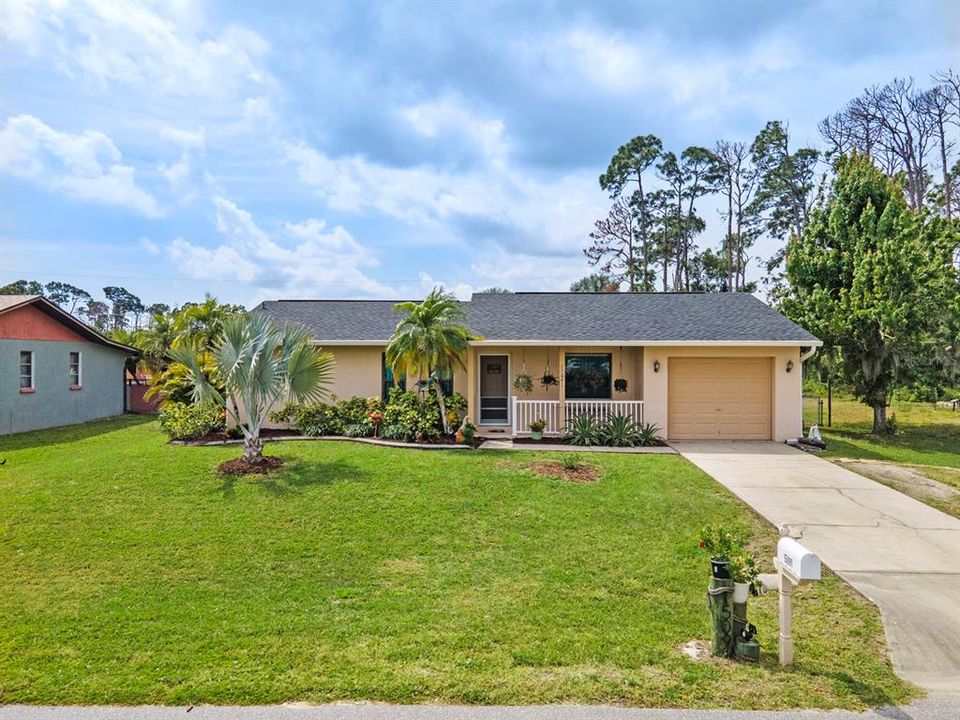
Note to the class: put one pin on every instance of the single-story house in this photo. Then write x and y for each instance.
(55, 369)
(698, 365)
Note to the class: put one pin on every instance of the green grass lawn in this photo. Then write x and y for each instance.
(133, 573)
(927, 435)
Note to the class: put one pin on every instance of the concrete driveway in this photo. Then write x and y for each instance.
(901, 554)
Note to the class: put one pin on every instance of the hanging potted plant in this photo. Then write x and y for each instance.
(745, 573)
(536, 428)
(722, 544)
(523, 383)
(620, 384)
(548, 379)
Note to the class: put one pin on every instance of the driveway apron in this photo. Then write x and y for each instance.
(901, 554)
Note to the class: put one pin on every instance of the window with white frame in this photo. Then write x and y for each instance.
(26, 369)
(75, 373)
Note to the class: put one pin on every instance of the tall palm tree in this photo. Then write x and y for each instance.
(429, 341)
(258, 363)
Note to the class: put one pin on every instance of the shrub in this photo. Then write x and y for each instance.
(393, 431)
(584, 430)
(181, 421)
(648, 434)
(571, 461)
(620, 431)
(314, 419)
(358, 430)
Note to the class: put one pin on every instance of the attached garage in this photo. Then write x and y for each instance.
(721, 398)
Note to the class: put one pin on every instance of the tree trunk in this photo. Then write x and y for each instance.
(253, 450)
(443, 406)
(880, 418)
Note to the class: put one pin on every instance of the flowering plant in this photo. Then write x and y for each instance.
(720, 542)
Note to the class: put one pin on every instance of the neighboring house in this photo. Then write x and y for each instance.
(55, 369)
(700, 366)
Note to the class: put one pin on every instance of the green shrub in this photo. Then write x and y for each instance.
(571, 460)
(181, 421)
(394, 431)
(314, 419)
(620, 431)
(358, 430)
(584, 430)
(648, 435)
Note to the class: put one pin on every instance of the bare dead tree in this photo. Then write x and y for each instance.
(736, 180)
(615, 245)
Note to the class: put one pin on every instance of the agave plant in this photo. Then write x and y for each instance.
(258, 364)
(583, 430)
(620, 431)
(649, 434)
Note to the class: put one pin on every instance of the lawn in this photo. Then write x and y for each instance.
(133, 573)
(927, 444)
(927, 435)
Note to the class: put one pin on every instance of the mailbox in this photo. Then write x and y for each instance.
(796, 561)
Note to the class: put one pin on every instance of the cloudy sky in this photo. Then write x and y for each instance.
(263, 150)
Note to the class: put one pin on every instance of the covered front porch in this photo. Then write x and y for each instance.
(511, 387)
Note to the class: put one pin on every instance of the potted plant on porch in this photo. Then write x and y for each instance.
(536, 429)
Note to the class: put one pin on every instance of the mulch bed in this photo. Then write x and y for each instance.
(240, 466)
(545, 441)
(580, 473)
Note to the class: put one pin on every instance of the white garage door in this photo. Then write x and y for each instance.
(720, 399)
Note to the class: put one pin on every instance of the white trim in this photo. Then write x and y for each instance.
(33, 369)
(509, 420)
(79, 353)
(601, 343)
(651, 343)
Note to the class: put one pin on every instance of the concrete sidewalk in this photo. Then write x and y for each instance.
(901, 554)
(935, 709)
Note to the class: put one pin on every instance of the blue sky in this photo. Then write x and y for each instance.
(264, 150)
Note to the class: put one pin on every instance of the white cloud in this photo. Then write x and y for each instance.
(87, 166)
(188, 139)
(492, 203)
(447, 118)
(148, 246)
(159, 46)
(304, 259)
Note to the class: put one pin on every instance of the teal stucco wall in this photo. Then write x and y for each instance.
(54, 403)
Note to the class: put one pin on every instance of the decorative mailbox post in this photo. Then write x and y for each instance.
(795, 566)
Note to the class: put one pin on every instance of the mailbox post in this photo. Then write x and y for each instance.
(795, 566)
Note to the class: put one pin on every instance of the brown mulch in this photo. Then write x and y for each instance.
(544, 441)
(240, 466)
(581, 473)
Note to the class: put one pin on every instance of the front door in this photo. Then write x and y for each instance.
(494, 390)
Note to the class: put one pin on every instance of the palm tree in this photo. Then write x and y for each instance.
(429, 341)
(258, 363)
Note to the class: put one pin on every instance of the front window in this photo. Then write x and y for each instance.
(75, 369)
(390, 379)
(26, 369)
(588, 376)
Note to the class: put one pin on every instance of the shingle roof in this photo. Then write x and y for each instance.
(10, 302)
(564, 317)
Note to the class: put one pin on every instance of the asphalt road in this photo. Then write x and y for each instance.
(930, 709)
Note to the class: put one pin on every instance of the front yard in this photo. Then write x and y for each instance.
(132, 573)
(926, 447)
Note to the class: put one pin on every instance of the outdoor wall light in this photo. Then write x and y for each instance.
(656, 366)
(789, 365)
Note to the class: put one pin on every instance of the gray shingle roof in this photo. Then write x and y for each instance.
(565, 317)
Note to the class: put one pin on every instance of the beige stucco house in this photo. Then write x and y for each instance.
(698, 365)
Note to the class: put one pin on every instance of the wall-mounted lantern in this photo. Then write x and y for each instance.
(656, 366)
(789, 365)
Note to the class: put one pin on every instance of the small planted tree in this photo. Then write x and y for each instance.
(429, 341)
(259, 364)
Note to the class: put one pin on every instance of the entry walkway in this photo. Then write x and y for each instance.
(901, 554)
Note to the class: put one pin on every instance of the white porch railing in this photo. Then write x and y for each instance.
(526, 411)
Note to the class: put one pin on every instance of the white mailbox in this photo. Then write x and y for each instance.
(796, 561)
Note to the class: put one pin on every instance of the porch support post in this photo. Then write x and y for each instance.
(473, 407)
(562, 390)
